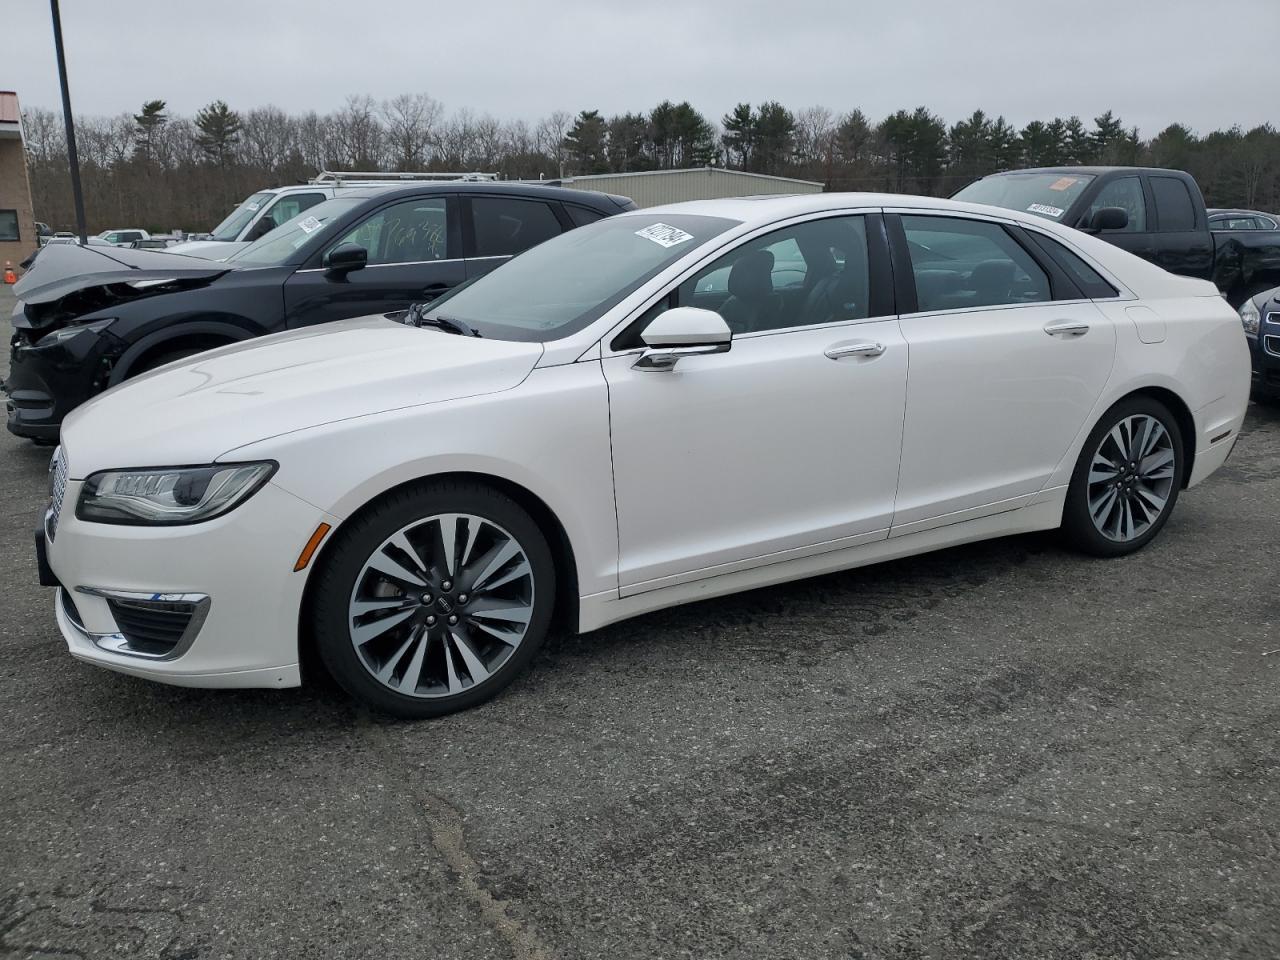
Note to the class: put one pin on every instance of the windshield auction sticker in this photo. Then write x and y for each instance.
(1066, 183)
(664, 235)
(311, 224)
(1046, 210)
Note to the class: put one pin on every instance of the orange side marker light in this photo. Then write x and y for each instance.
(305, 556)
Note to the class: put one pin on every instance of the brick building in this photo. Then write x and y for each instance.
(17, 222)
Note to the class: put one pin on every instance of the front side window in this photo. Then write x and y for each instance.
(813, 272)
(1125, 193)
(413, 231)
(229, 229)
(1174, 208)
(286, 208)
(965, 264)
(505, 226)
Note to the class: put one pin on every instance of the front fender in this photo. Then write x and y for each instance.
(226, 328)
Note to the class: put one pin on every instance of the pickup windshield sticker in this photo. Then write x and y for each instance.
(1046, 210)
(1066, 183)
(664, 235)
(311, 224)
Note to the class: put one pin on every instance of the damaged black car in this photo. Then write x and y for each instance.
(89, 318)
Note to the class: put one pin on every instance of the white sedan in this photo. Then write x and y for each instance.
(666, 405)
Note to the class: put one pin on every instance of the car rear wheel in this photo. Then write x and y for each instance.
(434, 600)
(1126, 480)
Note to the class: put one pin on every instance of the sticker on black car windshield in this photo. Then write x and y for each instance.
(664, 235)
(1045, 209)
(310, 225)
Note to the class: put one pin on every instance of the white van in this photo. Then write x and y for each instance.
(267, 209)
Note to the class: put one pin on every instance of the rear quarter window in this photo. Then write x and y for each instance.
(1090, 282)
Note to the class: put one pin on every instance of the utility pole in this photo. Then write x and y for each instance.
(72, 155)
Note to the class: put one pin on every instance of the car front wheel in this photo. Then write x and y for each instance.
(433, 600)
(1126, 480)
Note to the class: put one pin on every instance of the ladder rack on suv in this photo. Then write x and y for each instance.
(339, 178)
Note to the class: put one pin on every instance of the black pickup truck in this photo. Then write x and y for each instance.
(1158, 215)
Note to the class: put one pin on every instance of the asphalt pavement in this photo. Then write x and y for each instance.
(998, 751)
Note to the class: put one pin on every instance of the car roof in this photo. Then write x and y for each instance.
(1238, 212)
(767, 209)
(514, 188)
(1093, 171)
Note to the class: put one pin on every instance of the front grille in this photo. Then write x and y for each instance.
(57, 490)
(152, 628)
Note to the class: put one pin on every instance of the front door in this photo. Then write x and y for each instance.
(787, 444)
(411, 260)
(1002, 376)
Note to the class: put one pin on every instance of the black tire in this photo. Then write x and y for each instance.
(357, 540)
(1077, 524)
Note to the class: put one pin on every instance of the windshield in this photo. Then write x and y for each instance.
(1047, 195)
(568, 282)
(229, 229)
(284, 244)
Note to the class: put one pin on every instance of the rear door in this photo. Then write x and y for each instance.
(496, 228)
(1007, 358)
(1182, 242)
(413, 247)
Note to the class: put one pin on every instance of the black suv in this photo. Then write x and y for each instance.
(89, 317)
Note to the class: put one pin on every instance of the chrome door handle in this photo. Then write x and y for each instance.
(1066, 328)
(862, 349)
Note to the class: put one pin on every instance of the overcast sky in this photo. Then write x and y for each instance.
(1151, 61)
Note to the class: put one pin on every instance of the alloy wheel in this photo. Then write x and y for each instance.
(1131, 478)
(441, 605)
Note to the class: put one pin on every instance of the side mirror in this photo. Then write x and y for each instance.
(346, 257)
(262, 228)
(682, 332)
(1109, 218)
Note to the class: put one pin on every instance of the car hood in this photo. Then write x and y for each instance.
(196, 410)
(68, 281)
(208, 249)
(63, 268)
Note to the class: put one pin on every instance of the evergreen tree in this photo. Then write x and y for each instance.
(147, 126)
(739, 137)
(219, 128)
(585, 143)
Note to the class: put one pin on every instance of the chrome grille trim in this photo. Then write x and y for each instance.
(57, 490)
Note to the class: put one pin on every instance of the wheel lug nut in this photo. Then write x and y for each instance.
(462, 598)
(453, 620)
(431, 621)
(426, 598)
(447, 585)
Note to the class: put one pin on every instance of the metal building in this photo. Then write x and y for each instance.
(651, 188)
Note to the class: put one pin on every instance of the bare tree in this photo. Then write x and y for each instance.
(267, 136)
(411, 121)
(358, 134)
(549, 137)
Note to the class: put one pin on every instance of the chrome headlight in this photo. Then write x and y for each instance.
(1250, 317)
(167, 496)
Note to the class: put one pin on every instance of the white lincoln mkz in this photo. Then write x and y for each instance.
(663, 406)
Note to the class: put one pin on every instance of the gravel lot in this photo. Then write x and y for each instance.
(997, 751)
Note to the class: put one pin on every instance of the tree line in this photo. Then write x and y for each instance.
(158, 170)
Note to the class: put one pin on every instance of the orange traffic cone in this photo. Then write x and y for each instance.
(9, 275)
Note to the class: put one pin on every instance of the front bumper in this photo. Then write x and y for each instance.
(1264, 356)
(241, 562)
(47, 383)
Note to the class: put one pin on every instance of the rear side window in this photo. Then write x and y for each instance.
(581, 216)
(965, 264)
(1174, 209)
(1090, 282)
(505, 226)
